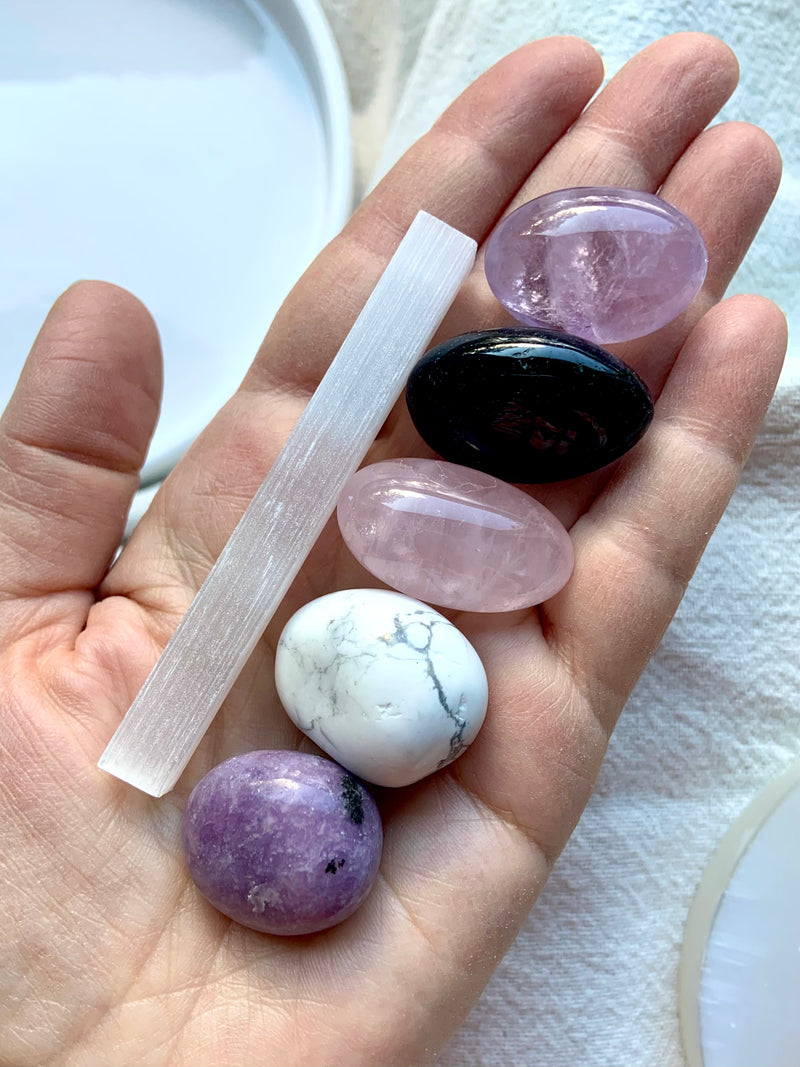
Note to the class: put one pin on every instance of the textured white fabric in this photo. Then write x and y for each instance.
(592, 979)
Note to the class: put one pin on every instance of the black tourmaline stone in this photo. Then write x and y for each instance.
(527, 405)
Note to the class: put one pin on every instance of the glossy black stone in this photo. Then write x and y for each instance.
(527, 405)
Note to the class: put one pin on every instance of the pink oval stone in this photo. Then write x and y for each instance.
(453, 536)
(606, 264)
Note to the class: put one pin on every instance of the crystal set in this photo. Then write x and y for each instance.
(289, 843)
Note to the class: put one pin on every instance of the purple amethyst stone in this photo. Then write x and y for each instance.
(605, 264)
(282, 842)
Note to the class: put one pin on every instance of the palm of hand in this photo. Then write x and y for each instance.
(111, 954)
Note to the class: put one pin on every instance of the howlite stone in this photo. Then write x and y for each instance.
(282, 842)
(449, 535)
(384, 684)
(527, 405)
(607, 264)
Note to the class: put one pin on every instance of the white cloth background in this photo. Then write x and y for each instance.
(592, 979)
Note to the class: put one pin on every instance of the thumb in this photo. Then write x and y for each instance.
(73, 439)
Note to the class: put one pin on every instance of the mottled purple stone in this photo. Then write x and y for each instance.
(282, 842)
(605, 264)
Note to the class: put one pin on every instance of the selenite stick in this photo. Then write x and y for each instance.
(213, 641)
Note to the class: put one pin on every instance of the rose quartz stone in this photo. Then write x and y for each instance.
(452, 536)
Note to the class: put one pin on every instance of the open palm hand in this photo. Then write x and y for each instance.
(109, 954)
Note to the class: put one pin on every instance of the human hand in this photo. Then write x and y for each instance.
(109, 953)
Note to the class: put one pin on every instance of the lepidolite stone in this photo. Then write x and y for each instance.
(606, 264)
(384, 684)
(453, 536)
(527, 405)
(282, 842)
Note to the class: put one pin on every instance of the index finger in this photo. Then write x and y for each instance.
(464, 171)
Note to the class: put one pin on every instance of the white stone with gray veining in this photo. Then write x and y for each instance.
(384, 684)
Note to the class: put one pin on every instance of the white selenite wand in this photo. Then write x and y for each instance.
(213, 641)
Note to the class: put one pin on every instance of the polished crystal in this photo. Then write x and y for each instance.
(606, 264)
(453, 536)
(384, 684)
(224, 622)
(282, 842)
(527, 405)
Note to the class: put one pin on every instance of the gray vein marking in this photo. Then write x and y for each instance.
(401, 637)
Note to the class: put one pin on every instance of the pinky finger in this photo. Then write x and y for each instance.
(639, 543)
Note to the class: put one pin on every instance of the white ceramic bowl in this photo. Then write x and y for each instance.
(197, 153)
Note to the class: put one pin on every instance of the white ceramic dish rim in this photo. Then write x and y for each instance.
(708, 897)
(307, 30)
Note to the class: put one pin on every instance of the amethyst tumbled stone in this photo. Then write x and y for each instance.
(606, 264)
(282, 842)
